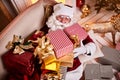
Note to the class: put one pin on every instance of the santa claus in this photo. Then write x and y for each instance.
(62, 17)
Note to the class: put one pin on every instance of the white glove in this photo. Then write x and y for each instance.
(79, 50)
(91, 48)
(88, 49)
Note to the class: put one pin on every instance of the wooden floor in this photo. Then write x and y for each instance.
(102, 16)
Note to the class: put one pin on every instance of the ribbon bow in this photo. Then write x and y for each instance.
(75, 40)
(44, 48)
(18, 45)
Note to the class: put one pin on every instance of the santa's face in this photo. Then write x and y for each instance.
(59, 22)
(63, 19)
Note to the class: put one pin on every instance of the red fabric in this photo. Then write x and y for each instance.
(87, 40)
(35, 76)
(15, 77)
(80, 3)
(76, 63)
(19, 64)
(36, 35)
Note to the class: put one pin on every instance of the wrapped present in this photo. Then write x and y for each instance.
(15, 63)
(15, 77)
(76, 30)
(34, 76)
(98, 72)
(44, 51)
(61, 43)
(54, 66)
(111, 57)
(67, 60)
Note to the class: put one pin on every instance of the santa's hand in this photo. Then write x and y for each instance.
(79, 50)
(90, 48)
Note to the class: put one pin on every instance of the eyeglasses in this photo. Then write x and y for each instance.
(63, 18)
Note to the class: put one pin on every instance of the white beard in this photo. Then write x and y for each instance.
(54, 24)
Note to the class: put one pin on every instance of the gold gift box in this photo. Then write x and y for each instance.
(49, 59)
(54, 66)
(67, 60)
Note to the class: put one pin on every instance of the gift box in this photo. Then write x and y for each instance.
(34, 76)
(92, 71)
(98, 72)
(61, 43)
(111, 57)
(67, 60)
(54, 66)
(19, 64)
(15, 77)
(49, 59)
(77, 30)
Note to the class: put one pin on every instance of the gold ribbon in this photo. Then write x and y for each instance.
(44, 48)
(76, 40)
(18, 45)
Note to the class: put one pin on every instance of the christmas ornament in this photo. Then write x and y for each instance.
(85, 10)
(80, 3)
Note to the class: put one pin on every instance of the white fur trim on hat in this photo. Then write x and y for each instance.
(61, 9)
(91, 48)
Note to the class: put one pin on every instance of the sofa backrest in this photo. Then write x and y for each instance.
(23, 25)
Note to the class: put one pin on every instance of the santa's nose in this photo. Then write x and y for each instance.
(63, 20)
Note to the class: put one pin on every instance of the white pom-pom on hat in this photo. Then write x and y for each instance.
(61, 9)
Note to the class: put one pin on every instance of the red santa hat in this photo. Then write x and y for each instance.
(61, 9)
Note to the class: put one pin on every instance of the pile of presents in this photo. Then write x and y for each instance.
(49, 56)
(43, 56)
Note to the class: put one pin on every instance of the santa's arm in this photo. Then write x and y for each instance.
(87, 47)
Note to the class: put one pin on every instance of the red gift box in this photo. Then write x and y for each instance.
(76, 29)
(19, 64)
(61, 43)
(35, 76)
